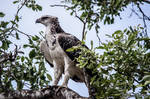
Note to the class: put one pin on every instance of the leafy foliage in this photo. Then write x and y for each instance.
(25, 71)
(2, 14)
(17, 70)
(122, 67)
(121, 71)
(95, 11)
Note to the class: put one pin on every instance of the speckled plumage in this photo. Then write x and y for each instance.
(54, 50)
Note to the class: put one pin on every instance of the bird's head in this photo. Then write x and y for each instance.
(47, 20)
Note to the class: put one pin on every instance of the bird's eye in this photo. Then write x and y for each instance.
(43, 18)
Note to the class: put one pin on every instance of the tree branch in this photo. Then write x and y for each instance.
(23, 33)
(65, 6)
(9, 56)
(18, 10)
(146, 1)
(50, 92)
(145, 17)
(84, 24)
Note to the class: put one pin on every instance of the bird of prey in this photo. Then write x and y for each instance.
(54, 49)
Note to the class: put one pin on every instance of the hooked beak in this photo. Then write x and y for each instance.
(38, 21)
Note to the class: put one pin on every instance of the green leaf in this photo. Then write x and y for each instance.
(5, 44)
(91, 44)
(100, 47)
(17, 18)
(25, 45)
(70, 49)
(30, 41)
(39, 7)
(117, 32)
(32, 53)
(140, 85)
(141, 28)
(17, 36)
(130, 43)
(15, 2)
(13, 22)
(49, 77)
(147, 82)
(71, 13)
(146, 78)
(2, 14)
(35, 38)
(4, 24)
(22, 58)
(33, 8)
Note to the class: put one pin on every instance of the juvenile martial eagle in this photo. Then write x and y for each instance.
(54, 49)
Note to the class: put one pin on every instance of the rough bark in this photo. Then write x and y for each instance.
(51, 92)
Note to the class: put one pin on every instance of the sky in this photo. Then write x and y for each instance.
(69, 23)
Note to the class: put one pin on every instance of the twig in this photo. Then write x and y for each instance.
(23, 33)
(9, 56)
(133, 11)
(100, 42)
(144, 18)
(148, 18)
(146, 1)
(84, 24)
(19, 8)
(65, 6)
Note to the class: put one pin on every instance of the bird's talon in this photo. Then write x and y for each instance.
(58, 89)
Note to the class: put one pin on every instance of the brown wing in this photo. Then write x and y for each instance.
(67, 41)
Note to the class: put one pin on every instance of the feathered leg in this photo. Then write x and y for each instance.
(66, 79)
(58, 71)
(67, 72)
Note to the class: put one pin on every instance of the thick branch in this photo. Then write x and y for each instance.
(50, 92)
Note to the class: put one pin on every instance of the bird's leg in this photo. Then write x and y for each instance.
(66, 79)
(67, 72)
(57, 74)
(56, 78)
(65, 82)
